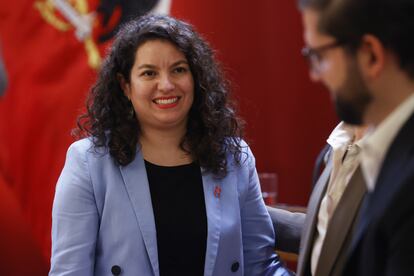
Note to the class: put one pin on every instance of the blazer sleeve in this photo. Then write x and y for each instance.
(257, 231)
(75, 217)
(288, 228)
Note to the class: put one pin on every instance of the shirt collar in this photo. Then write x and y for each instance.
(341, 136)
(378, 140)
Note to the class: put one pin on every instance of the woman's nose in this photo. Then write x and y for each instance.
(165, 83)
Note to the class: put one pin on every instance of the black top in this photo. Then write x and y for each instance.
(180, 218)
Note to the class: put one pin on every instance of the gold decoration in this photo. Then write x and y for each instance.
(48, 12)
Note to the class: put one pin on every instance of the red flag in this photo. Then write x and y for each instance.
(49, 72)
(51, 51)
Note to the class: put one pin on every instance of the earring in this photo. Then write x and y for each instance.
(131, 113)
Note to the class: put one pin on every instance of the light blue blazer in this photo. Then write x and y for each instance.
(103, 217)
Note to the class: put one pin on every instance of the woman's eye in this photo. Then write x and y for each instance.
(148, 73)
(180, 70)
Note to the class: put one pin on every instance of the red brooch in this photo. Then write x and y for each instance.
(217, 191)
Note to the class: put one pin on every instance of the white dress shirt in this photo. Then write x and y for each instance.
(345, 158)
(380, 138)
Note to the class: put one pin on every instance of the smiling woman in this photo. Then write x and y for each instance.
(163, 184)
(161, 88)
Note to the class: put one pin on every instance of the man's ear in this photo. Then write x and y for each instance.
(124, 85)
(371, 56)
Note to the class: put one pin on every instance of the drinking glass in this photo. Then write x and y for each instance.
(268, 184)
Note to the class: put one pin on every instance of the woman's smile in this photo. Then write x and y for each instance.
(166, 102)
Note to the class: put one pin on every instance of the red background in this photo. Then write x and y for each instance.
(288, 117)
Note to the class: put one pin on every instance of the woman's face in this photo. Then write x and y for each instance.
(161, 86)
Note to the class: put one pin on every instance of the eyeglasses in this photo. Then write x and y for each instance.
(315, 55)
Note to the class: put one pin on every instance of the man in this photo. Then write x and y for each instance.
(326, 229)
(362, 51)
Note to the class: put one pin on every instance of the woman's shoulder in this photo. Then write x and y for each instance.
(82, 144)
(86, 146)
(244, 153)
(237, 141)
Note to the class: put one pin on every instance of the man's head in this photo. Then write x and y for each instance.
(357, 48)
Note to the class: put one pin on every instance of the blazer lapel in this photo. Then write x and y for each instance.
(341, 223)
(212, 189)
(311, 216)
(136, 183)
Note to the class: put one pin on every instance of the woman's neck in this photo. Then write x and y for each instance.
(162, 147)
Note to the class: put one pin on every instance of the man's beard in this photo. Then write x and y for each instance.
(353, 97)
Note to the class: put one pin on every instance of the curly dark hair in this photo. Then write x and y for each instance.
(213, 128)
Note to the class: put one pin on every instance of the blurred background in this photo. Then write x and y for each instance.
(51, 50)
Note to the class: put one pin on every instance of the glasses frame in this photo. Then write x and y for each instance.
(314, 56)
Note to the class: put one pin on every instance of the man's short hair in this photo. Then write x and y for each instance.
(391, 21)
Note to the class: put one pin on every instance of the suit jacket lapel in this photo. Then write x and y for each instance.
(311, 217)
(136, 183)
(340, 224)
(399, 155)
(213, 208)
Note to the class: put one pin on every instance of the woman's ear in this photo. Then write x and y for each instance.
(124, 85)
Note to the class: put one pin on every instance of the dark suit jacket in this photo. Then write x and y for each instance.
(289, 226)
(384, 240)
(339, 232)
(320, 163)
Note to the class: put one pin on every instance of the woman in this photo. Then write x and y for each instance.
(164, 185)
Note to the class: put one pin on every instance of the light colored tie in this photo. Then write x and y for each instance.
(338, 184)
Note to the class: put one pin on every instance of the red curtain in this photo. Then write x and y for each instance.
(288, 117)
